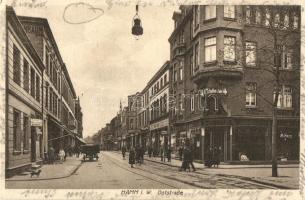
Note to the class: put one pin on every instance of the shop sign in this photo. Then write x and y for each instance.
(36, 122)
(213, 91)
(160, 124)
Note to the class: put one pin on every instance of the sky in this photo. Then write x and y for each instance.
(105, 61)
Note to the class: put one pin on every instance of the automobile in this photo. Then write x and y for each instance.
(90, 151)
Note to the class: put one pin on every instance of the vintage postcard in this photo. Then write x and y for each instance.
(113, 99)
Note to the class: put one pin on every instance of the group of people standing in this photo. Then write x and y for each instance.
(187, 159)
(136, 155)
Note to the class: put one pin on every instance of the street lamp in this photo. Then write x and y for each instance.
(137, 29)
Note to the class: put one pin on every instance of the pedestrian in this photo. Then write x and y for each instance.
(61, 155)
(142, 152)
(186, 159)
(161, 153)
(132, 157)
(191, 158)
(51, 155)
(137, 154)
(123, 151)
(169, 154)
(180, 151)
(149, 151)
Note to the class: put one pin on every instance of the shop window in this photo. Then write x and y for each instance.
(295, 22)
(26, 75)
(26, 132)
(286, 21)
(16, 65)
(210, 12)
(229, 48)
(258, 16)
(277, 20)
(267, 17)
(210, 49)
(16, 130)
(229, 12)
(250, 94)
(250, 53)
(248, 15)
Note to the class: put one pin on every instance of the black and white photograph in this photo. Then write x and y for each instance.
(151, 99)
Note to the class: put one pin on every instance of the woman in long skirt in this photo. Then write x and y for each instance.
(132, 157)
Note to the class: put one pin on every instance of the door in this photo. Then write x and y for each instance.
(33, 144)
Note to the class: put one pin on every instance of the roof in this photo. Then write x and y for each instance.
(158, 73)
(47, 28)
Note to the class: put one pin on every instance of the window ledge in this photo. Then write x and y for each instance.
(251, 107)
(288, 109)
(26, 151)
(15, 152)
(209, 20)
(252, 66)
(210, 63)
(229, 19)
(230, 62)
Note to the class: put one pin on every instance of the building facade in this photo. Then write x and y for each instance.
(223, 63)
(40, 96)
(24, 69)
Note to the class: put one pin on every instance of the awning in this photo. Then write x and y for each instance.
(81, 140)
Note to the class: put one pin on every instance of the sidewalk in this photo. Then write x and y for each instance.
(288, 173)
(51, 171)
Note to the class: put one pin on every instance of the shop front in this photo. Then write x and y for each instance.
(160, 136)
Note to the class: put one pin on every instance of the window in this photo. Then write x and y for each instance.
(210, 12)
(182, 37)
(250, 94)
(16, 65)
(33, 82)
(37, 88)
(196, 55)
(161, 82)
(192, 103)
(47, 97)
(277, 20)
(286, 21)
(165, 78)
(25, 75)
(191, 65)
(285, 97)
(258, 16)
(229, 48)
(229, 12)
(175, 75)
(181, 74)
(286, 58)
(26, 132)
(250, 53)
(131, 123)
(16, 131)
(295, 22)
(210, 49)
(248, 15)
(267, 17)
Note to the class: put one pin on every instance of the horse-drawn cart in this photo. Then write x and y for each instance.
(90, 151)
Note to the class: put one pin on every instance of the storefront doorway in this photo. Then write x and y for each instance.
(33, 144)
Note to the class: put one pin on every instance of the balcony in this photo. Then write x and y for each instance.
(230, 70)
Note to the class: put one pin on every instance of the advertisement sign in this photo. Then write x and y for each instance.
(36, 122)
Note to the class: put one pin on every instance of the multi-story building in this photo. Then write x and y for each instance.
(59, 94)
(40, 97)
(79, 118)
(143, 117)
(24, 75)
(159, 109)
(223, 63)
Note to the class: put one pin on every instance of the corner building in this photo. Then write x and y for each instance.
(222, 64)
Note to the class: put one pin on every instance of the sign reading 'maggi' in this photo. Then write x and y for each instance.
(36, 122)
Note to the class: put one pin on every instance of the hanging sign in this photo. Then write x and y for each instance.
(36, 122)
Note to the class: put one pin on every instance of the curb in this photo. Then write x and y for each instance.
(51, 178)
